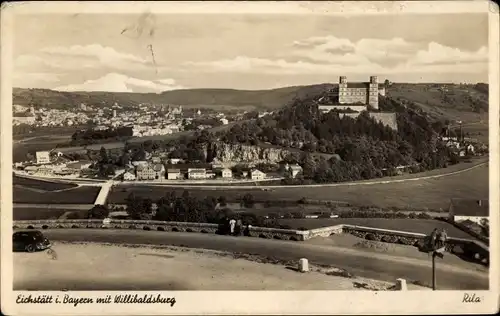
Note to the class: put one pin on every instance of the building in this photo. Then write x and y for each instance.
(293, 170)
(470, 149)
(224, 121)
(42, 157)
(360, 92)
(468, 209)
(257, 175)
(150, 172)
(174, 174)
(128, 176)
(356, 96)
(18, 120)
(197, 173)
(226, 173)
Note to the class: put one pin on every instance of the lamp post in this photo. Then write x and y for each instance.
(436, 245)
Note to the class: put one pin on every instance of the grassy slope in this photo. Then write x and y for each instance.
(81, 195)
(430, 99)
(410, 225)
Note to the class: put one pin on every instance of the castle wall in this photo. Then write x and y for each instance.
(353, 95)
(387, 118)
(328, 108)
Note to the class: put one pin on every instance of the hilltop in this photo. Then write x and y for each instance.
(440, 101)
(230, 98)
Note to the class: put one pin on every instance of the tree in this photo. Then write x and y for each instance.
(98, 212)
(103, 155)
(248, 200)
(222, 200)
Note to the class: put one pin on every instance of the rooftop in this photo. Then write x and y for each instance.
(470, 207)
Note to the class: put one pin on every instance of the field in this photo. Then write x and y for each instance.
(81, 195)
(41, 185)
(26, 213)
(425, 193)
(421, 226)
(479, 131)
(454, 104)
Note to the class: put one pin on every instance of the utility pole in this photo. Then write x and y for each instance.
(433, 270)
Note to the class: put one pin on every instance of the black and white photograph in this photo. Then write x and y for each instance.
(155, 150)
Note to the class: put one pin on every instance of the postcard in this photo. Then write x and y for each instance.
(249, 157)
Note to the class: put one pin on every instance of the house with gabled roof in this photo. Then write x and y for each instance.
(473, 210)
(150, 172)
(256, 174)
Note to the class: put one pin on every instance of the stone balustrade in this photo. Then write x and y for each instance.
(262, 232)
(471, 248)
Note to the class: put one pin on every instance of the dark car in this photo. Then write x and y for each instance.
(29, 241)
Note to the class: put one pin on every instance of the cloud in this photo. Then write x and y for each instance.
(37, 76)
(114, 82)
(440, 54)
(332, 55)
(78, 56)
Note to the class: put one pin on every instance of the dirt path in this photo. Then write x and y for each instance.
(105, 267)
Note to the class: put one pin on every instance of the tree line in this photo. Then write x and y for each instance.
(92, 136)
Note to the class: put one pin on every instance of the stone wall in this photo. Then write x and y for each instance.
(471, 249)
(387, 118)
(327, 108)
(262, 232)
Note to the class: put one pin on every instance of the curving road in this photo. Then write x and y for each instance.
(370, 265)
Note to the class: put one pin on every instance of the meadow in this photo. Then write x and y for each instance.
(80, 195)
(422, 226)
(432, 194)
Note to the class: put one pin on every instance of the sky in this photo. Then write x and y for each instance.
(160, 52)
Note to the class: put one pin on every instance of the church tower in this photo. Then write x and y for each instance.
(373, 92)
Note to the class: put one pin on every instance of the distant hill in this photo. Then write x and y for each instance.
(260, 99)
(452, 101)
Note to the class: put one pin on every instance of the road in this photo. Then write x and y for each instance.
(481, 162)
(364, 264)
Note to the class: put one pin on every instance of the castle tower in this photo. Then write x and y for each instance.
(373, 92)
(342, 89)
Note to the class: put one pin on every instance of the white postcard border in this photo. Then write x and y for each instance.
(255, 302)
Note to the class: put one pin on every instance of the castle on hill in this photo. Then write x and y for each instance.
(357, 96)
(352, 98)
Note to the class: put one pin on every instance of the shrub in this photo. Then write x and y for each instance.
(75, 215)
(389, 239)
(98, 212)
(424, 216)
(298, 215)
(273, 215)
(370, 236)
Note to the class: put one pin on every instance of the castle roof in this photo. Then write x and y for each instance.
(361, 85)
(358, 85)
